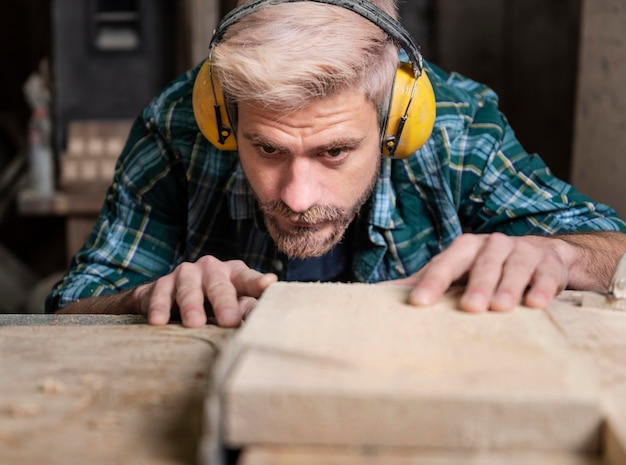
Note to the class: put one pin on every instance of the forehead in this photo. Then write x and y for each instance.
(346, 109)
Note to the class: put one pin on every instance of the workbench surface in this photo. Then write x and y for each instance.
(95, 389)
(92, 389)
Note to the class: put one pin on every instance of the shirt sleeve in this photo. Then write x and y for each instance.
(498, 186)
(140, 231)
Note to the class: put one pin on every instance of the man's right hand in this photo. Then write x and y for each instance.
(231, 288)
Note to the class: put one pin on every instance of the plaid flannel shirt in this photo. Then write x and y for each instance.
(175, 197)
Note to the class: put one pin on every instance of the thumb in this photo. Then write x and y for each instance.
(251, 283)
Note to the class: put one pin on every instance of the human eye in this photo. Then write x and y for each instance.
(336, 154)
(267, 150)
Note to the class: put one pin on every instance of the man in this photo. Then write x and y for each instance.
(189, 225)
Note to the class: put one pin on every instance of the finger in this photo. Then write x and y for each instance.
(518, 271)
(444, 269)
(246, 305)
(221, 293)
(190, 296)
(408, 281)
(223, 297)
(547, 282)
(248, 284)
(486, 272)
(157, 303)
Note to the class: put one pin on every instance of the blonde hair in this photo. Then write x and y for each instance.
(286, 55)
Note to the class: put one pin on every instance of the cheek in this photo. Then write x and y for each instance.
(350, 185)
(259, 178)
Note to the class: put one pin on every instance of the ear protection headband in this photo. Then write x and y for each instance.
(411, 101)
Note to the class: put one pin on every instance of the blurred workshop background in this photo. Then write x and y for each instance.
(76, 72)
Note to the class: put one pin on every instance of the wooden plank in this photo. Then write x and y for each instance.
(30, 202)
(338, 364)
(599, 336)
(614, 443)
(103, 394)
(264, 455)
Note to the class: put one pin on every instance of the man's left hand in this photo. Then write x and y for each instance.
(501, 272)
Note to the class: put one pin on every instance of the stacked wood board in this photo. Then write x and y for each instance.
(350, 373)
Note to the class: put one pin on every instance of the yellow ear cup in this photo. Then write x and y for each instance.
(209, 110)
(420, 116)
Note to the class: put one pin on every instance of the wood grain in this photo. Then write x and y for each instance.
(337, 364)
(103, 394)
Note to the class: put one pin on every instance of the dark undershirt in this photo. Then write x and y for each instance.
(333, 266)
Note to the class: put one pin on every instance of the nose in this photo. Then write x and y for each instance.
(301, 189)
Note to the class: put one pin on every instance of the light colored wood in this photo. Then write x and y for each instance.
(339, 364)
(93, 147)
(603, 300)
(599, 166)
(599, 336)
(614, 443)
(263, 455)
(103, 394)
(30, 202)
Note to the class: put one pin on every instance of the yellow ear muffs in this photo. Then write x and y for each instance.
(411, 114)
(412, 103)
(209, 110)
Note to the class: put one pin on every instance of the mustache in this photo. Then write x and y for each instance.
(314, 214)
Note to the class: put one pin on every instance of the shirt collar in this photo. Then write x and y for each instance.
(243, 205)
(383, 211)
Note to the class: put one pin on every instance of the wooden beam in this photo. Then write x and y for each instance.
(338, 364)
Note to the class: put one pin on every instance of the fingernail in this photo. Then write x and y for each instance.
(194, 317)
(228, 317)
(157, 316)
(421, 297)
(503, 301)
(474, 302)
(537, 299)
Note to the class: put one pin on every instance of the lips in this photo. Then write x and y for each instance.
(302, 224)
(287, 224)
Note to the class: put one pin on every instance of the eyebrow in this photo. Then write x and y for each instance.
(259, 139)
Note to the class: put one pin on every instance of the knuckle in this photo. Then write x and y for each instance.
(498, 238)
(465, 239)
(208, 261)
(237, 266)
(218, 286)
(185, 268)
(158, 284)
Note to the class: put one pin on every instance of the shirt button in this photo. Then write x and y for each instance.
(278, 265)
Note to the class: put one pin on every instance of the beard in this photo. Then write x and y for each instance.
(311, 241)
